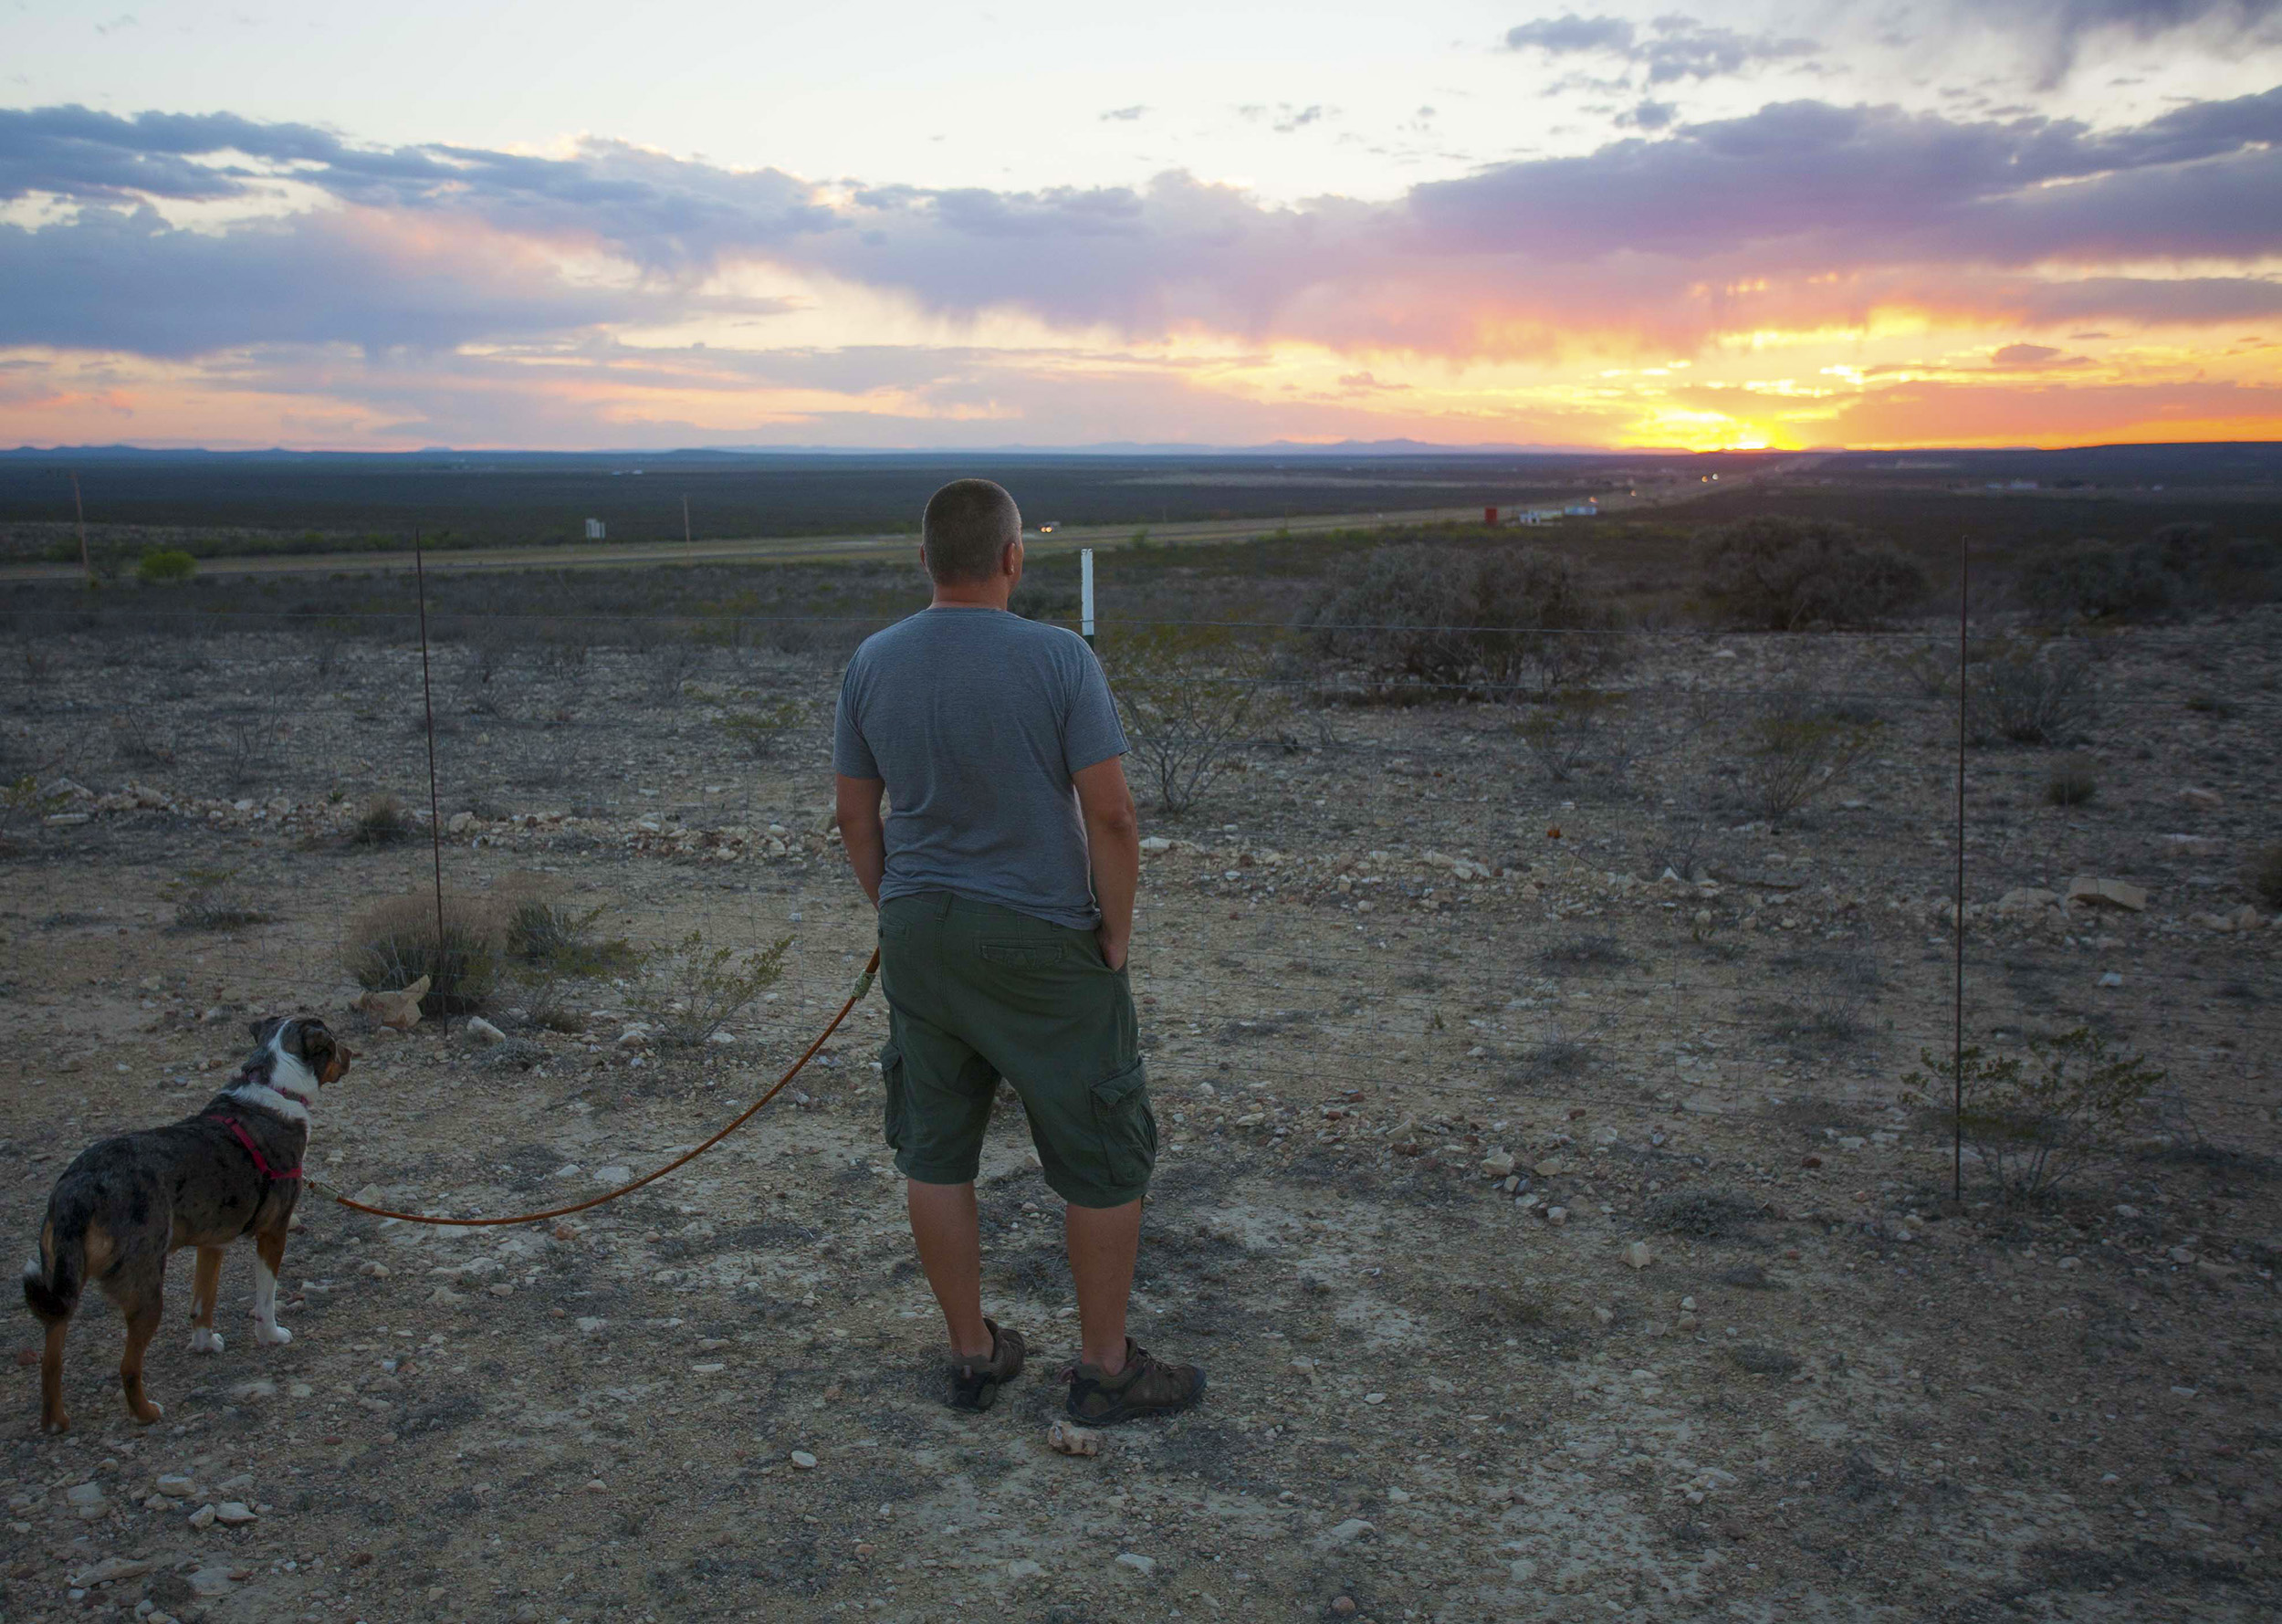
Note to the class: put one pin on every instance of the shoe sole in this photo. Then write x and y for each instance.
(1137, 1412)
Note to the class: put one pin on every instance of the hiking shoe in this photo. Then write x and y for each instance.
(976, 1387)
(1144, 1386)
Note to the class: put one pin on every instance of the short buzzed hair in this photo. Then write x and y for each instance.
(969, 524)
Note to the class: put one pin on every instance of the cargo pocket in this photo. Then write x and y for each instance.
(891, 1089)
(1126, 1126)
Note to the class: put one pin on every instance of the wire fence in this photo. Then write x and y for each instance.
(1699, 872)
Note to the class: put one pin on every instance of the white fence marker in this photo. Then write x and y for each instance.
(1085, 592)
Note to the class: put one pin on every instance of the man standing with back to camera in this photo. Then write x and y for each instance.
(1004, 875)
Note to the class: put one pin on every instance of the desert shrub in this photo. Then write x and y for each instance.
(1779, 574)
(395, 942)
(163, 566)
(1032, 601)
(562, 940)
(668, 664)
(1550, 1060)
(1569, 729)
(2074, 781)
(381, 822)
(2263, 875)
(689, 991)
(759, 733)
(2029, 691)
(1791, 752)
(2071, 1105)
(2178, 568)
(1581, 952)
(135, 737)
(206, 899)
(1503, 620)
(1186, 697)
(1707, 1214)
(1928, 667)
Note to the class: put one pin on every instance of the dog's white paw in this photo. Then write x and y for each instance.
(202, 1341)
(274, 1336)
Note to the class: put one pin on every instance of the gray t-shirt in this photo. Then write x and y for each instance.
(977, 720)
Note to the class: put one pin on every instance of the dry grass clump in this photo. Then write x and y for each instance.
(206, 899)
(395, 942)
(2074, 781)
(381, 822)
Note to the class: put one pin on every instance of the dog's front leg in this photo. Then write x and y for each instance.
(268, 1259)
(206, 1287)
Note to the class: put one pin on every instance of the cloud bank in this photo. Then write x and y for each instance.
(178, 238)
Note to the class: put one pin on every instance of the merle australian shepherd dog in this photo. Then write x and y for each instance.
(128, 1202)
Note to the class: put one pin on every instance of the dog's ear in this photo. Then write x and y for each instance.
(337, 1067)
(313, 1042)
(264, 1030)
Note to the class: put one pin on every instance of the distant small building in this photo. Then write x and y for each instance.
(1534, 516)
(1581, 510)
(594, 530)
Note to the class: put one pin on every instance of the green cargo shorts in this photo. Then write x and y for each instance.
(977, 992)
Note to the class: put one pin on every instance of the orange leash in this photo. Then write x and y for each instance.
(862, 986)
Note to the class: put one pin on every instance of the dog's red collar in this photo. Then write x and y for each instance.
(261, 1162)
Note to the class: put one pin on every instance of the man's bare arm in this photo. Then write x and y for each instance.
(1113, 845)
(861, 831)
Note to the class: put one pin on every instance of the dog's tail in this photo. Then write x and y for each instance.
(54, 1279)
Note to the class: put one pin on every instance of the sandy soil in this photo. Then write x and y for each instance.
(1371, 976)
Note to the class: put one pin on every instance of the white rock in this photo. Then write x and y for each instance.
(1155, 844)
(1638, 1255)
(211, 1581)
(176, 1486)
(233, 1514)
(481, 1031)
(1556, 1215)
(2112, 978)
(202, 1517)
(589, 1325)
(1022, 1567)
(87, 1501)
(1143, 1566)
(803, 1461)
(1067, 1438)
(2113, 894)
(111, 1569)
(1353, 1529)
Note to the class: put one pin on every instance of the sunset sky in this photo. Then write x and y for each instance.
(576, 224)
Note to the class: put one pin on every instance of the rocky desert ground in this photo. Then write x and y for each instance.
(1546, 1207)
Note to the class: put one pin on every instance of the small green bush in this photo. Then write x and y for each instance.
(549, 936)
(1792, 752)
(1188, 697)
(2074, 781)
(163, 566)
(759, 733)
(690, 991)
(205, 900)
(2034, 1125)
(393, 943)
